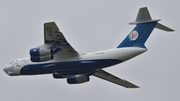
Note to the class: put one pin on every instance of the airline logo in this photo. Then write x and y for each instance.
(133, 35)
(34, 50)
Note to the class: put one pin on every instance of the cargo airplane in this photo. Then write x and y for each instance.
(57, 57)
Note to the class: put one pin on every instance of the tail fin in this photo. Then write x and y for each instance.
(144, 26)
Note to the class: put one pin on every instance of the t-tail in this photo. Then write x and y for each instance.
(144, 26)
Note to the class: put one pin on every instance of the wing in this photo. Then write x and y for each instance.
(111, 78)
(53, 35)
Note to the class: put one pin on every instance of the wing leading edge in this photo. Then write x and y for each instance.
(111, 78)
(53, 35)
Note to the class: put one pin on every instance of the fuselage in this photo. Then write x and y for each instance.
(73, 65)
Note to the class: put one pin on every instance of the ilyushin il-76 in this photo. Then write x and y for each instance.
(57, 57)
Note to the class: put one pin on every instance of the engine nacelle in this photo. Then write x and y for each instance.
(78, 79)
(41, 58)
(40, 52)
(56, 76)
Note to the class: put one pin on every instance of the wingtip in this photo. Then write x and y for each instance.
(137, 87)
(171, 30)
(134, 86)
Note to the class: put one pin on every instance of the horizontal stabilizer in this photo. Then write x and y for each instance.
(162, 27)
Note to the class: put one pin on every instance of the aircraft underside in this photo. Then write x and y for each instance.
(68, 68)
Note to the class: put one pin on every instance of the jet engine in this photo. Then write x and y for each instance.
(56, 76)
(78, 79)
(40, 54)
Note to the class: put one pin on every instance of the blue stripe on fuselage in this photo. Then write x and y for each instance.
(73, 67)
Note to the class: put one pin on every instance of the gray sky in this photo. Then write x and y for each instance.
(91, 25)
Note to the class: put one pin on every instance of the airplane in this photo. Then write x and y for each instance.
(57, 57)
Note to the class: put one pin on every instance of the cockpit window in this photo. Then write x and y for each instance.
(11, 62)
(23, 60)
(15, 61)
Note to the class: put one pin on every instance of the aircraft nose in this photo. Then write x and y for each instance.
(5, 70)
(10, 71)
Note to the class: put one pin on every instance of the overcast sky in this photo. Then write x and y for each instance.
(91, 25)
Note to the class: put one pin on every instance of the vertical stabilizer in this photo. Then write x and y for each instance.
(143, 15)
(144, 26)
